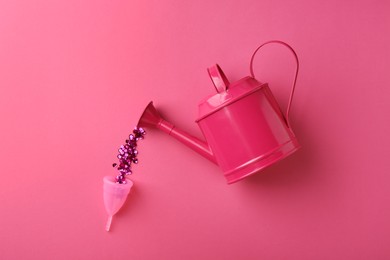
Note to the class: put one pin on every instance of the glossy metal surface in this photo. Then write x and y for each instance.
(247, 132)
(244, 127)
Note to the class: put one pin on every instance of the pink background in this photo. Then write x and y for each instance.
(75, 75)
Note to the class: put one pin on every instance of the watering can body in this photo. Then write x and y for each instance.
(244, 127)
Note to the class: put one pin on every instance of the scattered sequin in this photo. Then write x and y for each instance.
(128, 155)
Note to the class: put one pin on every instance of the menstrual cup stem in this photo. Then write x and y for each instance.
(108, 225)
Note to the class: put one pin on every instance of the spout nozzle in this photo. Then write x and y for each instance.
(108, 225)
(150, 117)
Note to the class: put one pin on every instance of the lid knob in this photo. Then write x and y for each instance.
(221, 83)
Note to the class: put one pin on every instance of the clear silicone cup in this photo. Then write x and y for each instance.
(114, 195)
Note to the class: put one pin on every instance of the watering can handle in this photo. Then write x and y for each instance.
(221, 83)
(295, 77)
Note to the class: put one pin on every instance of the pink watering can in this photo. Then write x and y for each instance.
(243, 124)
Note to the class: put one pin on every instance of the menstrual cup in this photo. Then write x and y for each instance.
(114, 195)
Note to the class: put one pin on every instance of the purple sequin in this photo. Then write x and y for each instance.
(128, 155)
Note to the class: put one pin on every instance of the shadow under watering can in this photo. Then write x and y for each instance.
(244, 127)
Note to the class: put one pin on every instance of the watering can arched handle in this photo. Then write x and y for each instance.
(220, 81)
(295, 77)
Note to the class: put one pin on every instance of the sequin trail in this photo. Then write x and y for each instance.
(127, 154)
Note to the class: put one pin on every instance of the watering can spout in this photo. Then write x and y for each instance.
(152, 118)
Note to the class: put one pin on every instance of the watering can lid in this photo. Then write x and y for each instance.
(226, 92)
